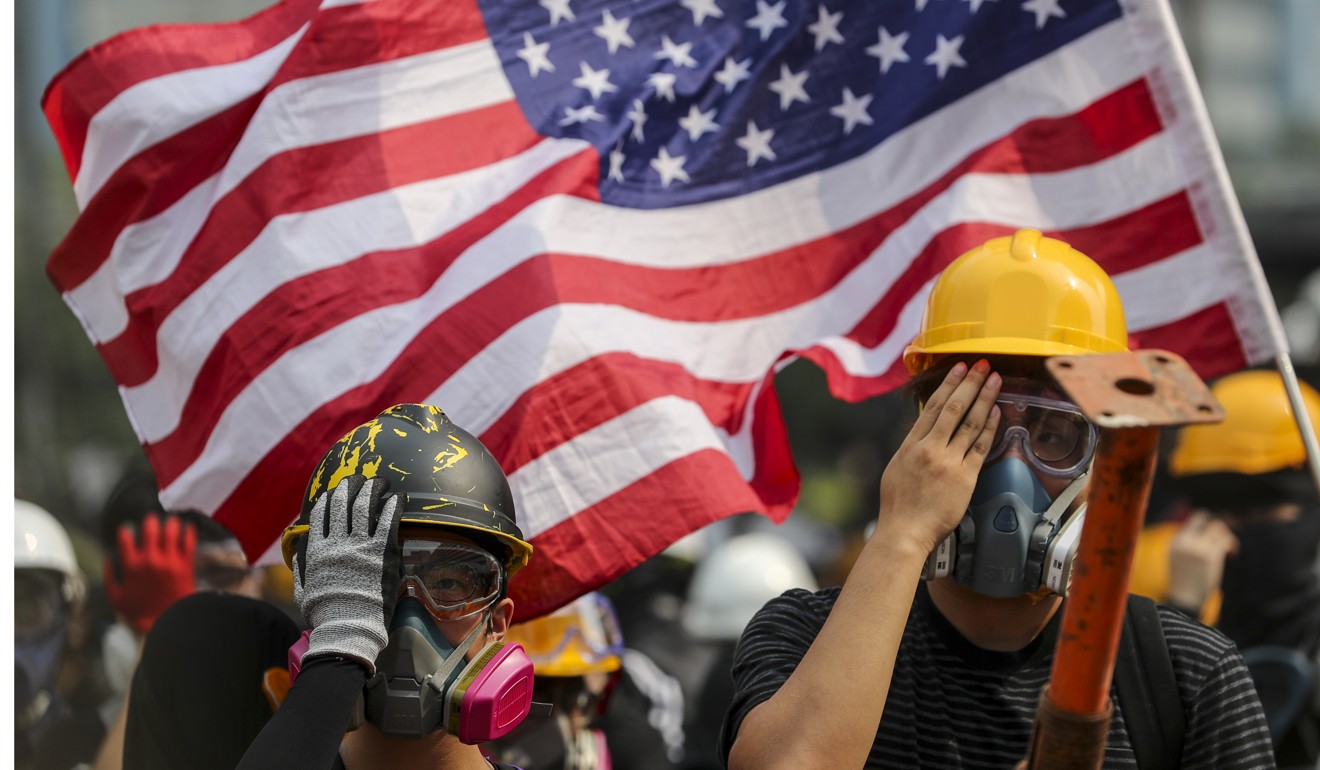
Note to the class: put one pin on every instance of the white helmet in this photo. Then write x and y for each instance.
(40, 542)
(737, 579)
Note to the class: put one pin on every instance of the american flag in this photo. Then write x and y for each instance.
(593, 230)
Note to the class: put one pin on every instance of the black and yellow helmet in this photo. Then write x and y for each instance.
(446, 478)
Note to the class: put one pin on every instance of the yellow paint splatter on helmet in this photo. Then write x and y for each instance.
(349, 456)
(446, 458)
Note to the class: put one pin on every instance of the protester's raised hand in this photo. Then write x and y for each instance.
(1196, 559)
(151, 569)
(929, 481)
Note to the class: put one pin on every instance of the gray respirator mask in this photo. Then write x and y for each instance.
(1012, 539)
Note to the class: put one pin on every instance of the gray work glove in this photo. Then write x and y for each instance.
(347, 570)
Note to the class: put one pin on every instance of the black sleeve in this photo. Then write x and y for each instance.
(309, 724)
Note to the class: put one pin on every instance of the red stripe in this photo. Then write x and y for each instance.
(740, 290)
(604, 541)
(1207, 339)
(280, 187)
(339, 38)
(598, 390)
(159, 176)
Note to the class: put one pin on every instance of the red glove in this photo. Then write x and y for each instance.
(153, 572)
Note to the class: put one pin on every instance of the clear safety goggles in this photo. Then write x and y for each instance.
(451, 579)
(1053, 435)
(581, 635)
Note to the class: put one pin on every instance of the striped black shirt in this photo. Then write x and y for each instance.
(955, 706)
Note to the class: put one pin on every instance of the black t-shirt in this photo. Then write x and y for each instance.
(955, 706)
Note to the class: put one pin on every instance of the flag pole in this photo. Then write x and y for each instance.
(1225, 203)
(1285, 365)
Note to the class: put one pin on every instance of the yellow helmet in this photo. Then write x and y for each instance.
(580, 638)
(1258, 435)
(1024, 295)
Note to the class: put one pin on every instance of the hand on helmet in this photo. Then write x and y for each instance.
(929, 481)
(347, 570)
(152, 570)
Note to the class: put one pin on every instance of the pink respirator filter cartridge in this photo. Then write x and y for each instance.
(498, 698)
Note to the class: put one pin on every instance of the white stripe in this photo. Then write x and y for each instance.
(307, 243)
(712, 233)
(1173, 288)
(147, 112)
(623, 450)
(298, 114)
(369, 100)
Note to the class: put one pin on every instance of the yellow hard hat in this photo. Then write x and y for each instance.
(1024, 295)
(580, 638)
(1258, 435)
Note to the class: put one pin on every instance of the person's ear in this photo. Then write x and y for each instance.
(500, 618)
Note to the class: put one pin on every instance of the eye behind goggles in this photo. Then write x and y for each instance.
(1054, 435)
(451, 579)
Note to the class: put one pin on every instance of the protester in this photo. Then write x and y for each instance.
(730, 585)
(576, 653)
(214, 668)
(157, 557)
(58, 723)
(662, 665)
(402, 578)
(890, 671)
(1253, 536)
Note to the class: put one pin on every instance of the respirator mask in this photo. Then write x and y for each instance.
(422, 682)
(1012, 540)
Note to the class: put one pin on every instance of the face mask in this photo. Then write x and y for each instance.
(422, 684)
(1271, 588)
(1011, 541)
(37, 662)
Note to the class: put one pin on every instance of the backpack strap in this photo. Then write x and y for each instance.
(1147, 690)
